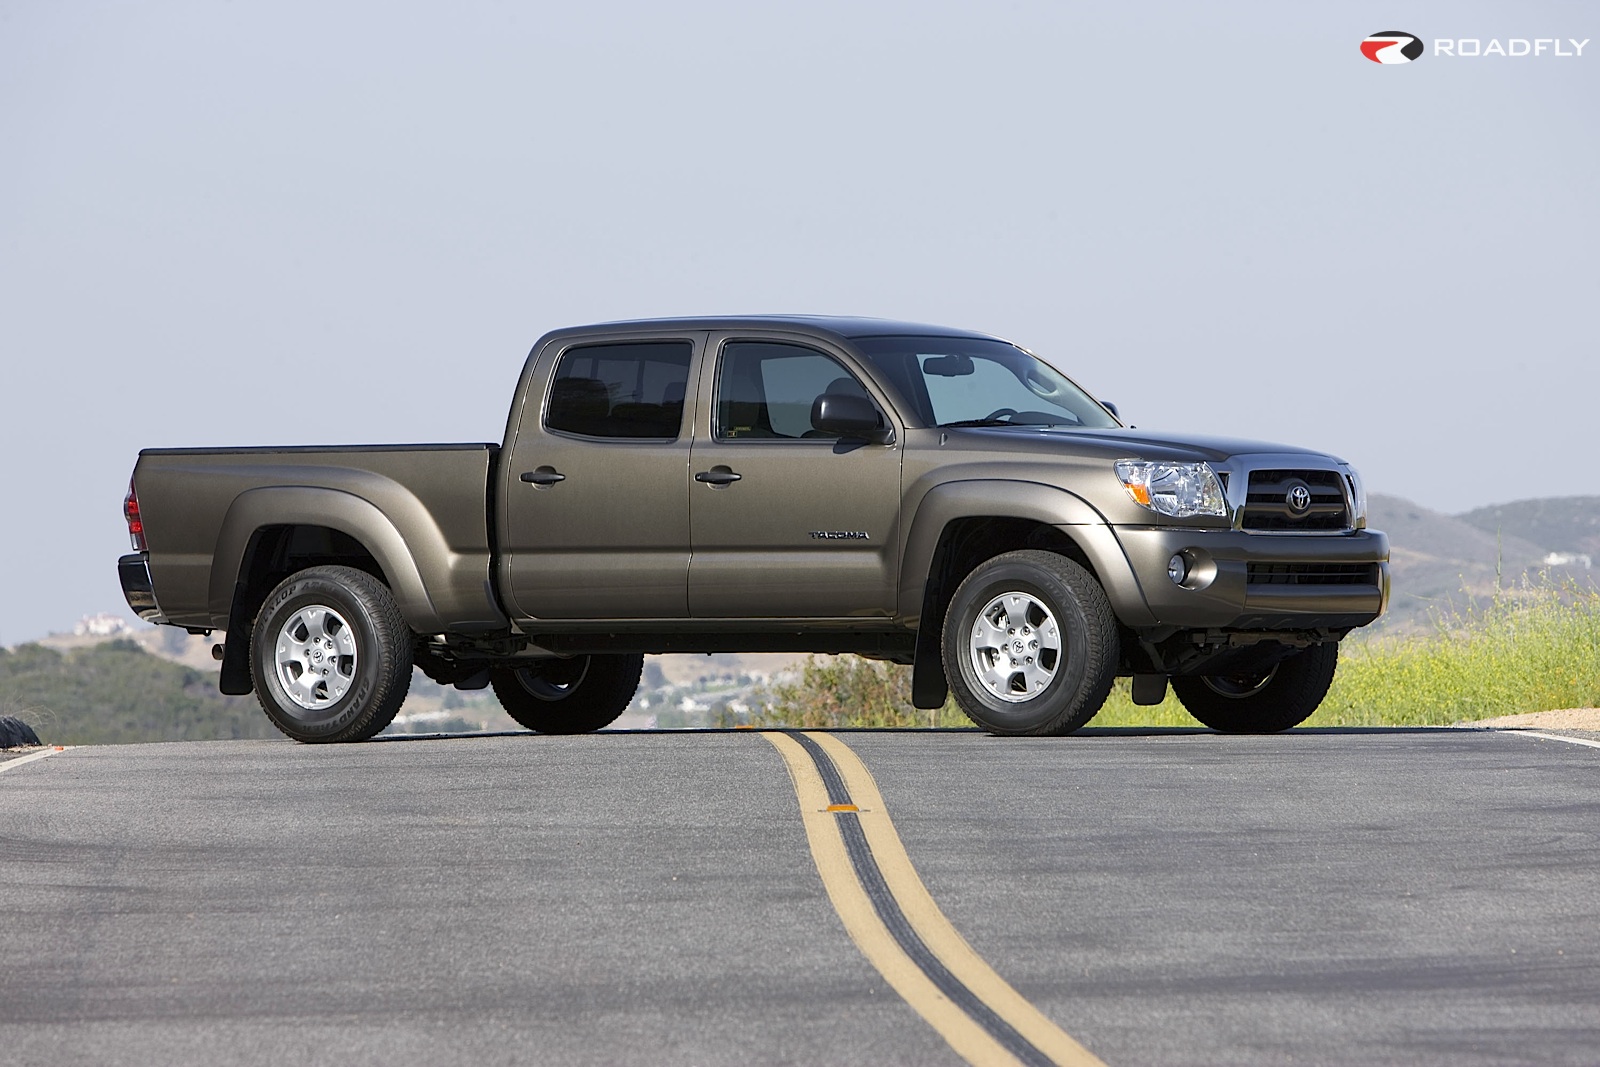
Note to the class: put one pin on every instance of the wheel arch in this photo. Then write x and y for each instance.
(267, 530)
(958, 525)
(269, 533)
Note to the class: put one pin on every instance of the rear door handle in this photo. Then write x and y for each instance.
(718, 475)
(543, 476)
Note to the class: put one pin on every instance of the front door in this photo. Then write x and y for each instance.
(788, 521)
(596, 486)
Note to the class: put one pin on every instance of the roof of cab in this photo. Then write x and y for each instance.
(846, 326)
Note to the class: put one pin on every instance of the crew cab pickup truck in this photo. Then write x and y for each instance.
(911, 493)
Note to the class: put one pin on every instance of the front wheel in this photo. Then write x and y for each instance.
(330, 655)
(568, 696)
(1030, 644)
(1266, 701)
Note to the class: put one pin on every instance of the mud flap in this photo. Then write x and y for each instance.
(929, 687)
(234, 679)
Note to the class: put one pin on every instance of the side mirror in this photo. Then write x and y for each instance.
(850, 416)
(1109, 406)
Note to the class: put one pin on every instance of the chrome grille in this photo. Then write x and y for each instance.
(1267, 504)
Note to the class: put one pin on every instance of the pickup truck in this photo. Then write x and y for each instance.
(911, 493)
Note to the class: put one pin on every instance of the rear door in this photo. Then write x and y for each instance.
(596, 507)
(787, 521)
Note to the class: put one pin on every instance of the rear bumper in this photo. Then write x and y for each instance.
(137, 589)
(1251, 581)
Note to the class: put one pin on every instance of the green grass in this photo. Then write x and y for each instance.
(1535, 648)
(1532, 648)
(1120, 710)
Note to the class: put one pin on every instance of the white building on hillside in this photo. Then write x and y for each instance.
(101, 625)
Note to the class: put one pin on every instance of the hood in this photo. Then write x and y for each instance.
(1144, 444)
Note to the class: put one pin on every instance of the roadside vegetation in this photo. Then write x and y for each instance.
(116, 693)
(1535, 647)
(837, 691)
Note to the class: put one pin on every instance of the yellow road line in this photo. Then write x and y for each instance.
(821, 815)
(932, 925)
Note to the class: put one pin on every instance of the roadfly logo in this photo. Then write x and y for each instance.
(1391, 46)
(1396, 46)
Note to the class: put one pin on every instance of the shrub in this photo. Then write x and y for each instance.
(834, 691)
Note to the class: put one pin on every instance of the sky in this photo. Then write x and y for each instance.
(249, 223)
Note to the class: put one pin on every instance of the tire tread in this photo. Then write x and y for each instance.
(392, 636)
(1289, 699)
(1102, 643)
(605, 693)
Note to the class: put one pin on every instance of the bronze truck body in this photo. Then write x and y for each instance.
(902, 491)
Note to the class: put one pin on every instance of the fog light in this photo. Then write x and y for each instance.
(1177, 569)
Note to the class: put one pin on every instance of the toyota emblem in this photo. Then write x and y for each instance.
(1298, 499)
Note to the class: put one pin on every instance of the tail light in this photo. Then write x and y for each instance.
(130, 511)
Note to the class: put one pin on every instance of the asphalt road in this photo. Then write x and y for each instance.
(1383, 897)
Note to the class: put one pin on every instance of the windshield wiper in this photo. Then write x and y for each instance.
(963, 423)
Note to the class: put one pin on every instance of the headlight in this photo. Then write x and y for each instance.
(1181, 490)
(1358, 498)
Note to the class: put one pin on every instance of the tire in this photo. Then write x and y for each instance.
(1065, 652)
(330, 656)
(14, 733)
(568, 696)
(1264, 702)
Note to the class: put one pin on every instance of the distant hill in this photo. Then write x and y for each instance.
(1566, 524)
(1441, 562)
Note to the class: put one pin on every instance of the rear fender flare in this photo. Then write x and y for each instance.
(335, 509)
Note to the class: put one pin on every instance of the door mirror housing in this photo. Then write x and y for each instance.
(850, 416)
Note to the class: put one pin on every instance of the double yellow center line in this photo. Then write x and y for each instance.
(895, 923)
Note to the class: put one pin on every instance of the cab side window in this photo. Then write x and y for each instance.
(765, 391)
(620, 390)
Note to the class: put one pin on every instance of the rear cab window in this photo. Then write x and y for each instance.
(622, 390)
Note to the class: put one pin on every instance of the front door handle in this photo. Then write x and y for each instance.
(543, 476)
(718, 475)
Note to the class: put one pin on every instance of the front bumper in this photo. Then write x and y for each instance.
(137, 589)
(1253, 581)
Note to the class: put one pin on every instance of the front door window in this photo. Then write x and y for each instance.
(765, 391)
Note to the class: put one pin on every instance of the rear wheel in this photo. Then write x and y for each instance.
(568, 696)
(1030, 644)
(1266, 701)
(330, 655)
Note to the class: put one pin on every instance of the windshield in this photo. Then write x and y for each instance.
(959, 381)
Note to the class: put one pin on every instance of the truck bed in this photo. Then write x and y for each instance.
(422, 510)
